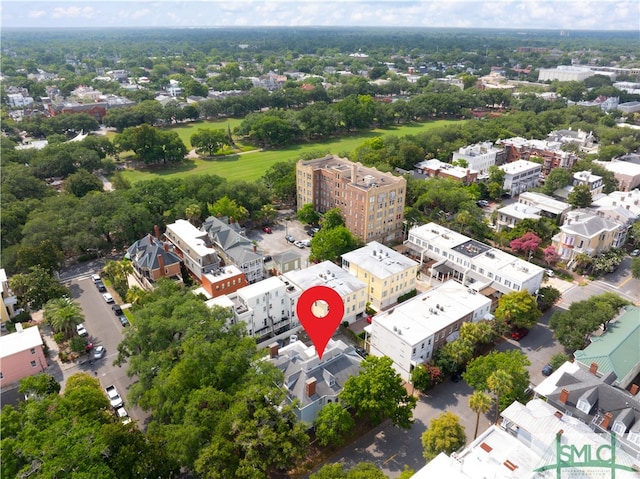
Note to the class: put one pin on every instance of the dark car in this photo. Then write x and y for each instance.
(116, 309)
(519, 333)
(547, 370)
(101, 287)
(456, 377)
(123, 320)
(362, 352)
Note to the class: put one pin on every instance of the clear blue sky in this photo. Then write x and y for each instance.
(518, 14)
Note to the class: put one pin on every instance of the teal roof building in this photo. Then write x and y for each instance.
(617, 349)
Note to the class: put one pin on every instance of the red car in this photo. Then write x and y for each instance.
(266, 229)
(519, 333)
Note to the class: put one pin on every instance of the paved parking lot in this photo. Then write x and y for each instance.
(274, 243)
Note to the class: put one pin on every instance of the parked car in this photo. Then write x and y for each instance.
(635, 252)
(114, 397)
(519, 333)
(547, 370)
(306, 242)
(123, 320)
(88, 345)
(549, 273)
(108, 298)
(95, 278)
(123, 415)
(116, 309)
(483, 203)
(299, 244)
(101, 287)
(267, 258)
(290, 238)
(81, 330)
(362, 352)
(99, 352)
(266, 229)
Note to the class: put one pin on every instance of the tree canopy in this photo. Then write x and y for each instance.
(573, 327)
(76, 435)
(444, 434)
(377, 393)
(219, 411)
(517, 308)
(514, 363)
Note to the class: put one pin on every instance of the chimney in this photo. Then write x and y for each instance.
(310, 387)
(634, 389)
(564, 395)
(606, 421)
(156, 228)
(166, 246)
(161, 264)
(273, 350)
(593, 369)
(558, 414)
(255, 248)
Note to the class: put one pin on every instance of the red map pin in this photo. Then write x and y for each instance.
(320, 329)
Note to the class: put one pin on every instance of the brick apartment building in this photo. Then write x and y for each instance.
(371, 202)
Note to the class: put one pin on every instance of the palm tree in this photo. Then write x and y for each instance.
(500, 382)
(479, 402)
(63, 315)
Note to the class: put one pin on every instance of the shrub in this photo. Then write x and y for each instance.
(58, 338)
(407, 295)
(23, 317)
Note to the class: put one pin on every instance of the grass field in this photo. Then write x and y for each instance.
(252, 165)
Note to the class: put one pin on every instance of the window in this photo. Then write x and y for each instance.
(33, 364)
(33, 350)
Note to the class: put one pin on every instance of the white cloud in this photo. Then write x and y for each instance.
(36, 13)
(74, 12)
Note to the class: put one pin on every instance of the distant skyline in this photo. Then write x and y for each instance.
(609, 15)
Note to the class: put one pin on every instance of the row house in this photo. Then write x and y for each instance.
(480, 157)
(371, 202)
(550, 152)
(410, 332)
(451, 255)
(595, 184)
(439, 169)
(620, 206)
(626, 173)
(386, 273)
(267, 309)
(520, 176)
(194, 247)
(548, 206)
(352, 290)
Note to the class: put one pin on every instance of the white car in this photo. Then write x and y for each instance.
(123, 415)
(95, 277)
(99, 352)
(81, 330)
(306, 242)
(549, 273)
(108, 298)
(299, 244)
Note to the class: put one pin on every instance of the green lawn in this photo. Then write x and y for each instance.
(252, 165)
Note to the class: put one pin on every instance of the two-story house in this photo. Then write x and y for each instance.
(586, 232)
(21, 355)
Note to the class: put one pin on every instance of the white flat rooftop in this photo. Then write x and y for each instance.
(326, 274)
(431, 311)
(192, 237)
(19, 341)
(381, 261)
(520, 166)
(520, 211)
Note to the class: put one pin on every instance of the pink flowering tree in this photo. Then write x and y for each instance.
(527, 243)
(551, 256)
